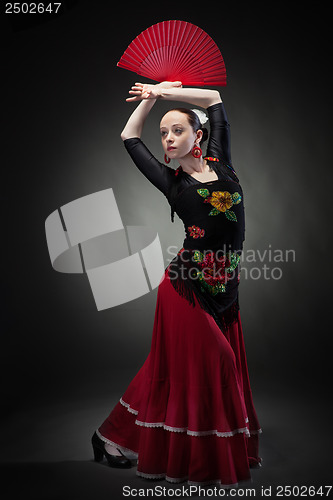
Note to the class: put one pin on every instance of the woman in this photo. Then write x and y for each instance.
(188, 414)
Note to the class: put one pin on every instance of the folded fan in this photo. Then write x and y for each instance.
(176, 50)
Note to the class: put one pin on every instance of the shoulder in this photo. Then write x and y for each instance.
(227, 171)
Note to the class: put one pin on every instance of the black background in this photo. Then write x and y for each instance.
(64, 363)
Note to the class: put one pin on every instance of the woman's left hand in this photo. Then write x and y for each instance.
(143, 91)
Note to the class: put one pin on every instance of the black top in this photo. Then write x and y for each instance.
(213, 211)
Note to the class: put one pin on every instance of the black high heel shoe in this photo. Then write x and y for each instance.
(113, 460)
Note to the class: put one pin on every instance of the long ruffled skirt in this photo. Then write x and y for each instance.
(188, 414)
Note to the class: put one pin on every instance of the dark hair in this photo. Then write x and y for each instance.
(194, 122)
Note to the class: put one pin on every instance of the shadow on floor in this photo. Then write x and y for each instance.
(51, 458)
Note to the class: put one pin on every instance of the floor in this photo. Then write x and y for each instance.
(46, 452)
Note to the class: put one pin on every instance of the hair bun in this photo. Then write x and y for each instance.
(203, 118)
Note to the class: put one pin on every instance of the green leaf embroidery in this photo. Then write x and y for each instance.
(214, 211)
(234, 259)
(203, 192)
(231, 215)
(236, 199)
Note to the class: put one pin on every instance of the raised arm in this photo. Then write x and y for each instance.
(219, 142)
(219, 137)
(134, 125)
(169, 92)
(158, 174)
(148, 95)
(198, 97)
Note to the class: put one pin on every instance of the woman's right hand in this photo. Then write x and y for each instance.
(143, 91)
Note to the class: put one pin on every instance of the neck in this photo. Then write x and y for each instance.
(190, 164)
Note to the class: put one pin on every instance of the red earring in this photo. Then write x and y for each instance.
(166, 159)
(196, 152)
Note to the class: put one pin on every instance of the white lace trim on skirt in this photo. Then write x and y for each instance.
(127, 406)
(183, 479)
(185, 429)
(193, 433)
(130, 454)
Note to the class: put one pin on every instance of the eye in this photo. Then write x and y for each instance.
(178, 130)
(163, 133)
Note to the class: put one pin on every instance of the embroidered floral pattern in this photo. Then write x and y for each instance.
(196, 232)
(221, 201)
(215, 272)
(177, 172)
(211, 158)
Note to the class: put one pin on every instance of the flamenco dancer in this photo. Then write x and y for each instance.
(188, 414)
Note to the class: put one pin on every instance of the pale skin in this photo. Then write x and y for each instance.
(177, 135)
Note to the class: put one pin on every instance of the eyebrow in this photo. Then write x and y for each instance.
(174, 125)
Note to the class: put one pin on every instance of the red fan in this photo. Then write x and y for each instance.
(176, 50)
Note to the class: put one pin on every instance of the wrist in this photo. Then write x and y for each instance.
(146, 105)
(157, 92)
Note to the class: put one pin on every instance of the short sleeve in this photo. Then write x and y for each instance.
(156, 172)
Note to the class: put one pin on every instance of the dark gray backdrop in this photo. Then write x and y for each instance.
(65, 364)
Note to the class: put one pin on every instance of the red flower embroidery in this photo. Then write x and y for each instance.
(211, 158)
(196, 232)
(178, 170)
(215, 272)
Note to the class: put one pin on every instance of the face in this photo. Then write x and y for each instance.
(177, 134)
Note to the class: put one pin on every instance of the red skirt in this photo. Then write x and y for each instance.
(188, 414)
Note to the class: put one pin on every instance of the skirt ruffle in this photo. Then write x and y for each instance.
(188, 414)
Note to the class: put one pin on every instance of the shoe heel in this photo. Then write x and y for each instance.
(98, 454)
